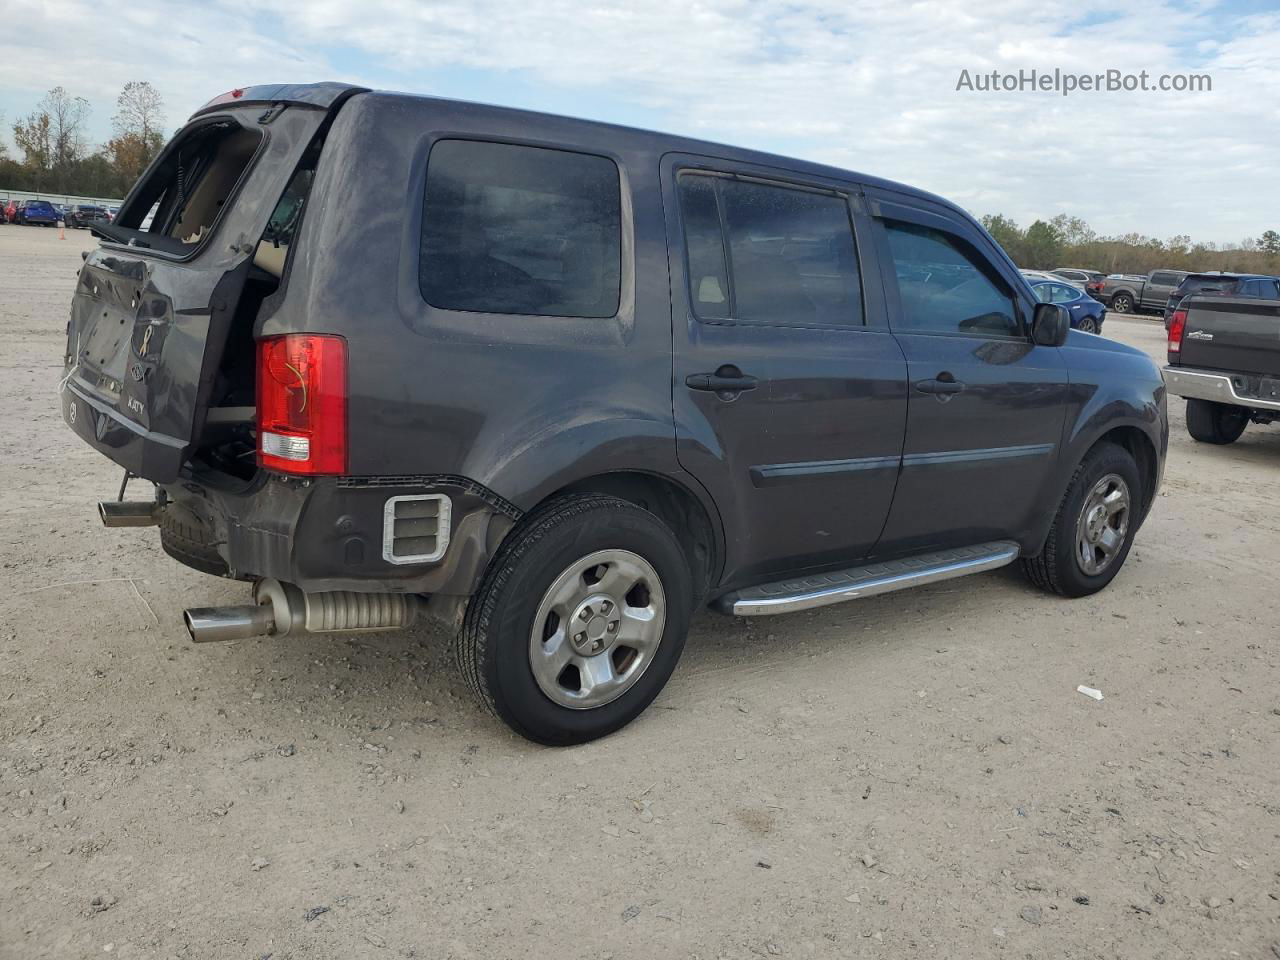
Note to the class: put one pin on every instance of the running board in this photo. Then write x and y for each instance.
(805, 593)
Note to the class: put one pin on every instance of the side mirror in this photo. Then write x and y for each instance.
(1050, 324)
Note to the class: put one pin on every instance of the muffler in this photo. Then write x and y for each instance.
(129, 513)
(281, 609)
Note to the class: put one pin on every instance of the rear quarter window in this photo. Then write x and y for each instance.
(521, 230)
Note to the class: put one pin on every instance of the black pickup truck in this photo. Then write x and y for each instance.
(1224, 358)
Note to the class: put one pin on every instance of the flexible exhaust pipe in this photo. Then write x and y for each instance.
(129, 513)
(282, 608)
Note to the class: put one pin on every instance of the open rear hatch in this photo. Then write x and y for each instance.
(156, 302)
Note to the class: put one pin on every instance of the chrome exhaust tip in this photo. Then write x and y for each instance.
(129, 513)
(208, 624)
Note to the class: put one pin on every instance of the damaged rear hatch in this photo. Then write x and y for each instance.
(154, 303)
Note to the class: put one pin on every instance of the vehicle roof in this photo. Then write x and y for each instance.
(327, 93)
(1223, 275)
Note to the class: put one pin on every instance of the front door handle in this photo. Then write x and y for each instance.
(944, 384)
(720, 382)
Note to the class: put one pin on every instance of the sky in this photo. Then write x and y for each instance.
(868, 85)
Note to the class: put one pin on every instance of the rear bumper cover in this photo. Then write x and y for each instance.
(1210, 385)
(326, 534)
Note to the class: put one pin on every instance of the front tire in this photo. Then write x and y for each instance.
(1218, 423)
(579, 621)
(1094, 526)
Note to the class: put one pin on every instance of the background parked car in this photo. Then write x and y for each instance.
(1250, 286)
(80, 215)
(1087, 313)
(11, 211)
(40, 212)
(1091, 280)
(1129, 294)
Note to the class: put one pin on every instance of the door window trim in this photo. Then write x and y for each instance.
(724, 171)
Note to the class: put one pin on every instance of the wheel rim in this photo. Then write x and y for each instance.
(597, 629)
(1087, 325)
(1103, 524)
(1122, 304)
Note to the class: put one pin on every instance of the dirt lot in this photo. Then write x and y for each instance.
(911, 775)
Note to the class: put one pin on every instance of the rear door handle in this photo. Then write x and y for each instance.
(719, 382)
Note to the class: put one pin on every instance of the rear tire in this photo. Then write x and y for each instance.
(545, 594)
(1122, 303)
(1217, 423)
(1088, 325)
(1086, 510)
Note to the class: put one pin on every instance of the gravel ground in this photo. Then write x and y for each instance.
(908, 775)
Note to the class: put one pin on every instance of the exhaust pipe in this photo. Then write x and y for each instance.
(207, 624)
(129, 513)
(281, 609)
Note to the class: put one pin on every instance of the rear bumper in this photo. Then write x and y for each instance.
(329, 533)
(144, 453)
(1208, 385)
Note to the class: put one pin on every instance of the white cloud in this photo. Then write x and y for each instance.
(868, 85)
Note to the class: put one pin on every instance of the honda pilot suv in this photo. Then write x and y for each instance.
(560, 383)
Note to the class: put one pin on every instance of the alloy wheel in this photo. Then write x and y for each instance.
(1103, 524)
(597, 629)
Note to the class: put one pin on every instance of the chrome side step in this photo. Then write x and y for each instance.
(805, 593)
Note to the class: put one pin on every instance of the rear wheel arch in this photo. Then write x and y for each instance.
(694, 524)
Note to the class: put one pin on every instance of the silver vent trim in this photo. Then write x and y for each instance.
(415, 529)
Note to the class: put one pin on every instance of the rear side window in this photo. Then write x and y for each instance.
(1062, 293)
(946, 286)
(790, 257)
(521, 230)
(1164, 279)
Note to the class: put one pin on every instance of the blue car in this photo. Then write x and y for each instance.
(1087, 313)
(38, 211)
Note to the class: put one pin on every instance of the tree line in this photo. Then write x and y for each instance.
(55, 154)
(1070, 242)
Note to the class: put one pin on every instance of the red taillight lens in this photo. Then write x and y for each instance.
(302, 404)
(1177, 324)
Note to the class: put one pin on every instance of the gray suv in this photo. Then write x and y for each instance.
(560, 383)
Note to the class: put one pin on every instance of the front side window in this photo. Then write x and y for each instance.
(945, 286)
(521, 230)
(789, 258)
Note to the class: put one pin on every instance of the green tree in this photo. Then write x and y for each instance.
(1269, 243)
(1043, 246)
(1006, 233)
(34, 138)
(139, 134)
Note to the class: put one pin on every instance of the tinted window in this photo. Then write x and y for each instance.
(791, 255)
(945, 286)
(510, 229)
(1043, 292)
(1165, 279)
(704, 247)
(1064, 293)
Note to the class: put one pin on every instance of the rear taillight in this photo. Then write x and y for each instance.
(302, 403)
(1177, 324)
